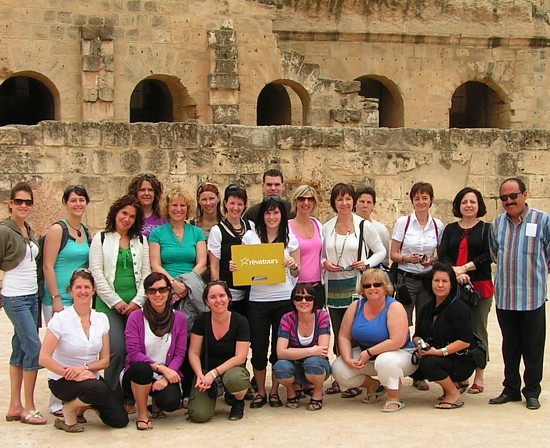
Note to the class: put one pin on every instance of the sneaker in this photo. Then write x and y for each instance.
(237, 410)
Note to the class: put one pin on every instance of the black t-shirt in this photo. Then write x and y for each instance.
(223, 349)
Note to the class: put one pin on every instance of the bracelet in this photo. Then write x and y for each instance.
(158, 367)
(296, 268)
(369, 353)
(213, 373)
(445, 351)
(56, 296)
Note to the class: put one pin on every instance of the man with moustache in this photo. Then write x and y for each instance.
(520, 247)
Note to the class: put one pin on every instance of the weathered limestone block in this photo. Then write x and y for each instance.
(347, 86)
(106, 32)
(90, 95)
(91, 63)
(30, 135)
(345, 115)
(54, 133)
(226, 52)
(534, 162)
(144, 134)
(87, 133)
(157, 161)
(225, 66)
(539, 185)
(186, 135)
(106, 94)
(239, 161)
(254, 138)
(291, 61)
(102, 162)
(28, 160)
(130, 161)
(225, 114)
(10, 136)
(116, 134)
(221, 37)
(507, 164)
(178, 162)
(229, 81)
(481, 163)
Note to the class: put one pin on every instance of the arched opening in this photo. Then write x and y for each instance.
(283, 102)
(161, 98)
(477, 105)
(390, 103)
(25, 100)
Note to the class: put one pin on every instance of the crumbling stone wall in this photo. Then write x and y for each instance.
(104, 156)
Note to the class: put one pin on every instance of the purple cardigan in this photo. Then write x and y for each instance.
(135, 341)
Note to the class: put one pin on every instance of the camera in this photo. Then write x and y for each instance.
(423, 344)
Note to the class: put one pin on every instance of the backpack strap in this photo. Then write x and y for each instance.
(360, 248)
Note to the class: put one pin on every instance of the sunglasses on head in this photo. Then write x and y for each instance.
(147, 176)
(27, 202)
(72, 188)
(370, 285)
(512, 196)
(273, 198)
(85, 270)
(300, 297)
(234, 187)
(162, 290)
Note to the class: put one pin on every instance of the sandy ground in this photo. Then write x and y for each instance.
(341, 422)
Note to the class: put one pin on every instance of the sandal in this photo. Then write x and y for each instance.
(476, 389)
(156, 414)
(315, 405)
(275, 401)
(449, 405)
(58, 413)
(33, 418)
(147, 424)
(393, 406)
(60, 424)
(421, 385)
(293, 403)
(352, 392)
(81, 419)
(462, 386)
(373, 397)
(333, 389)
(258, 402)
(13, 418)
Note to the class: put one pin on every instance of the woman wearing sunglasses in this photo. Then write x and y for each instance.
(268, 303)
(379, 324)
(119, 261)
(229, 232)
(302, 348)
(343, 263)
(307, 230)
(156, 341)
(18, 252)
(75, 350)
(148, 191)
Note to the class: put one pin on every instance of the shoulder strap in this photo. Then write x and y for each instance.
(360, 248)
(65, 235)
(405, 232)
(102, 237)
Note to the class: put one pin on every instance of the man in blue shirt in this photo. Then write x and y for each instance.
(520, 247)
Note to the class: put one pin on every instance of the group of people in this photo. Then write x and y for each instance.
(151, 301)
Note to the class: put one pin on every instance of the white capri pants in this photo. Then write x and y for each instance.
(389, 367)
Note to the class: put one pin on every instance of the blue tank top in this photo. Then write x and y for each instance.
(368, 333)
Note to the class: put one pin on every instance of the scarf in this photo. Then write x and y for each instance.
(160, 323)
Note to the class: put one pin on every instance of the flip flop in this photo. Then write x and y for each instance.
(160, 414)
(448, 405)
(476, 389)
(146, 422)
(462, 387)
(60, 424)
(373, 397)
(387, 406)
(33, 418)
(13, 418)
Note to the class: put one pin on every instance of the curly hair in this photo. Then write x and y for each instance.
(119, 204)
(135, 185)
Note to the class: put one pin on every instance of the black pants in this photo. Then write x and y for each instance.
(437, 368)
(523, 336)
(264, 318)
(167, 399)
(97, 394)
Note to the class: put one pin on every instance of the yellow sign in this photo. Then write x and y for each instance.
(258, 264)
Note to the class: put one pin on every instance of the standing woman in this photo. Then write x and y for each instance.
(156, 340)
(307, 230)
(76, 348)
(465, 245)
(119, 261)
(223, 236)
(18, 252)
(343, 267)
(208, 207)
(268, 303)
(220, 340)
(148, 191)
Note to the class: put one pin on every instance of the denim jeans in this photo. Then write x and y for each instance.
(25, 343)
(314, 365)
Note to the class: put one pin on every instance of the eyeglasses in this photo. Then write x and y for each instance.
(147, 176)
(162, 290)
(512, 196)
(27, 202)
(371, 285)
(300, 297)
(347, 268)
(305, 198)
(85, 270)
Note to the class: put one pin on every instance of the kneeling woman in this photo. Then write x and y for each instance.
(156, 341)
(220, 340)
(444, 324)
(302, 347)
(379, 324)
(75, 349)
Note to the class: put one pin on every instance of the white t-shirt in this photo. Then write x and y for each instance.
(22, 279)
(417, 240)
(276, 292)
(384, 236)
(73, 347)
(156, 347)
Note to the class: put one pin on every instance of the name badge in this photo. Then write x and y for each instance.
(531, 229)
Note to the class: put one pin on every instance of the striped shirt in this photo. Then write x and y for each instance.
(288, 329)
(522, 255)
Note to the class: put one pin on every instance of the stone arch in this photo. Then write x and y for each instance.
(161, 98)
(390, 101)
(28, 97)
(480, 104)
(283, 102)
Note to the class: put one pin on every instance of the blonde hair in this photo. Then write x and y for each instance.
(173, 193)
(377, 276)
(301, 191)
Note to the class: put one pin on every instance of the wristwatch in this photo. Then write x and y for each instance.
(86, 366)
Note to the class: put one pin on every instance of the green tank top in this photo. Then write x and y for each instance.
(125, 282)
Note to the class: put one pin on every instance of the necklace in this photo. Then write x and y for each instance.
(339, 255)
(77, 230)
